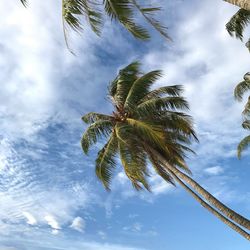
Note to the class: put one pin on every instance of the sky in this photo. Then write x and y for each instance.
(49, 195)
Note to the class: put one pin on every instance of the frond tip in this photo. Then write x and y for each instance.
(148, 14)
(243, 145)
(24, 2)
(238, 23)
(242, 87)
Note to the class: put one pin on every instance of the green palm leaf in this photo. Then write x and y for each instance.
(148, 14)
(149, 132)
(24, 2)
(122, 84)
(240, 90)
(122, 11)
(160, 104)
(94, 132)
(246, 124)
(246, 110)
(180, 123)
(243, 145)
(72, 10)
(126, 76)
(93, 117)
(160, 170)
(175, 90)
(134, 164)
(238, 23)
(140, 88)
(105, 161)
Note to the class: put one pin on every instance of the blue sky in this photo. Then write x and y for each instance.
(49, 195)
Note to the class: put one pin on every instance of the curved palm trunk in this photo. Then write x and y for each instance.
(244, 222)
(212, 210)
(244, 4)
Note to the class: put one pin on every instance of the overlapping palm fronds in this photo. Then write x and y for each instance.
(123, 11)
(239, 91)
(238, 23)
(143, 116)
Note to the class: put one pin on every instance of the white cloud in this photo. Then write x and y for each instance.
(216, 170)
(52, 222)
(78, 224)
(31, 220)
(26, 79)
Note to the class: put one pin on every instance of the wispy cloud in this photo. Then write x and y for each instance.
(214, 170)
(78, 224)
(52, 222)
(30, 218)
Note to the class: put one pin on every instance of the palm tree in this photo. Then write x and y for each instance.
(149, 125)
(244, 4)
(239, 91)
(122, 11)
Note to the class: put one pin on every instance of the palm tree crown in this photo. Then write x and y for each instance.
(143, 119)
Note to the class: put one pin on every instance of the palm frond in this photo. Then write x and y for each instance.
(117, 9)
(94, 132)
(93, 117)
(72, 10)
(173, 122)
(72, 13)
(161, 170)
(248, 44)
(246, 110)
(105, 161)
(136, 30)
(121, 86)
(246, 124)
(174, 90)
(122, 11)
(131, 71)
(151, 133)
(24, 2)
(134, 163)
(162, 104)
(240, 89)
(140, 88)
(148, 14)
(238, 23)
(172, 154)
(243, 145)
(180, 123)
